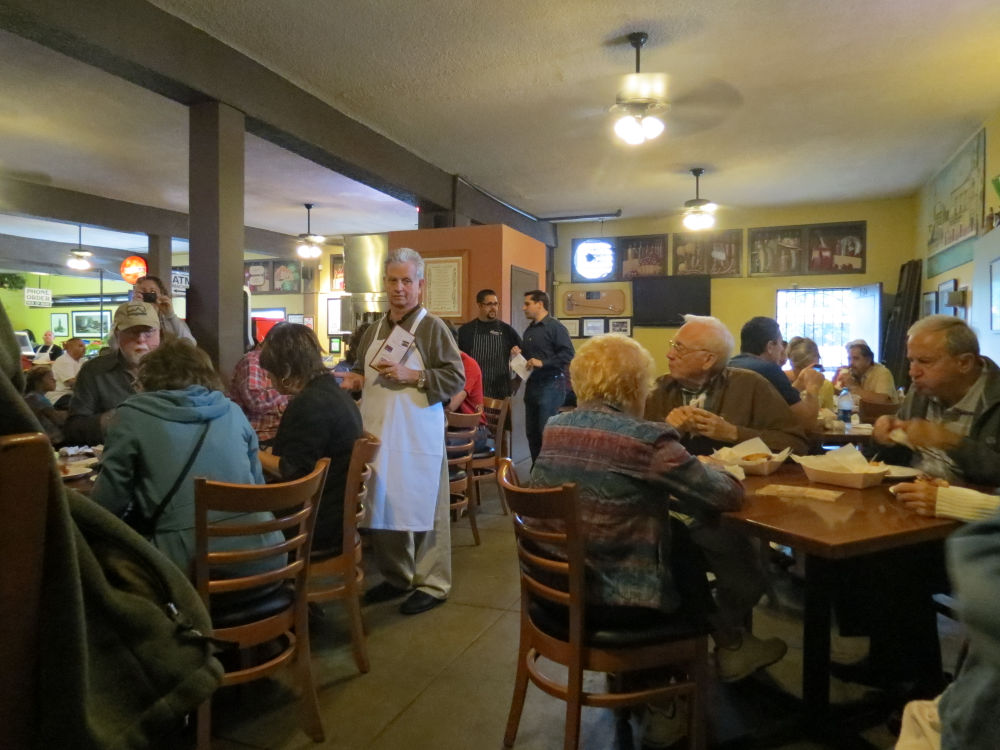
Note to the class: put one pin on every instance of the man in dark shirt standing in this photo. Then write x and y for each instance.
(548, 350)
(489, 341)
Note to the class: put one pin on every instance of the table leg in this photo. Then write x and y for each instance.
(816, 637)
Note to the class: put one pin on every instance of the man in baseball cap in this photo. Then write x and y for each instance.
(105, 382)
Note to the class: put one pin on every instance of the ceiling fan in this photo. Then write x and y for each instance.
(645, 108)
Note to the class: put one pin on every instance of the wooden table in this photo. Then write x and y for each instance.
(842, 437)
(859, 522)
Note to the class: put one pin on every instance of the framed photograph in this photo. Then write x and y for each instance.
(995, 295)
(965, 306)
(91, 324)
(777, 251)
(944, 287)
(257, 275)
(59, 323)
(620, 325)
(592, 326)
(837, 248)
(309, 321)
(443, 288)
(953, 210)
(572, 325)
(334, 310)
(643, 256)
(928, 304)
(287, 277)
(296, 318)
(336, 273)
(712, 253)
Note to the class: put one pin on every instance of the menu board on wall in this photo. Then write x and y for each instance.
(443, 288)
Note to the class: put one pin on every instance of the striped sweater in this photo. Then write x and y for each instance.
(630, 473)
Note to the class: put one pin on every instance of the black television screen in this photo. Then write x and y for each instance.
(663, 300)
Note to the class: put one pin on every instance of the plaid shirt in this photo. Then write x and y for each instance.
(251, 390)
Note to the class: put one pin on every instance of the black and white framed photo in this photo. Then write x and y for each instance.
(928, 304)
(91, 324)
(59, 324)
(592, 327)
(620, 325)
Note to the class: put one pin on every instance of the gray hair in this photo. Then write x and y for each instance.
(405, 255)
(958, 337)
(720, 342)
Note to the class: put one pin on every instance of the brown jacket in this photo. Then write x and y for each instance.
(742, 398)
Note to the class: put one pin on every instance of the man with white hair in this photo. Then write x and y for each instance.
(105, 382)
(949, 423)
(712, 405)
(408, 364)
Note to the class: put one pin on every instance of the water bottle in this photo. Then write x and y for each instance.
(845, 405)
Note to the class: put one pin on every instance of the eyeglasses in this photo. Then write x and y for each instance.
(683, 351)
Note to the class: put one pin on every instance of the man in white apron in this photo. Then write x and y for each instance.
(407, 365)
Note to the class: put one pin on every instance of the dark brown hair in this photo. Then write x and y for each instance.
(34, 377)
(292, 355)
(174, 365)
(156, 280)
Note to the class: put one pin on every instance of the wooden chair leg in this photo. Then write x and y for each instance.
(472, 516)
(517, 699)
(312, 723)
(574, 699)
(697, 720)
(358, 640)
(203, 730)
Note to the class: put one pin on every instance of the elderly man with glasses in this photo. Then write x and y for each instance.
(712, 405)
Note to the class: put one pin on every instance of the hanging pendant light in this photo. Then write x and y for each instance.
(641, 98)
(699, 210)
(310, 245)
(79, 259)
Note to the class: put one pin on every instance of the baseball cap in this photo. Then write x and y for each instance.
(136, 313)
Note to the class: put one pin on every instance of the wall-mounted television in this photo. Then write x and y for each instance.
(664, 300)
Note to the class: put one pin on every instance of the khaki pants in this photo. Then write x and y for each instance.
(921, 728)
(419, 559)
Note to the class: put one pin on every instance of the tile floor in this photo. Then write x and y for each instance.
(442, 680)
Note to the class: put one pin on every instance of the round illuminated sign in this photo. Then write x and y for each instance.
(133, 268)
(594, 260)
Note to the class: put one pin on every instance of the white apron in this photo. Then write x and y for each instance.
(407, 469)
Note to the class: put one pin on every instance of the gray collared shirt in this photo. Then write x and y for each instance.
(958, 418)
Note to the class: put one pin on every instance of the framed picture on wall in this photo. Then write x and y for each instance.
(712, 253)
(287, 277)
(296, 318)
(837, 248)
(928, 304)
(777, 251)
(572, 325)
(59, 323)
(257, 276)
(995, 295)
(943, 288)
(91, 324)
(620, 325)
(593, 326)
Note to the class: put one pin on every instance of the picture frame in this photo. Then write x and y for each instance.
(334, 310)
(91, 324)
(309, 321)
(443, 286)
(258, 276)
(296, 318)
(643, 255)
(928, 303)
(718, 254)
(995, 295)
(620, 325)
(777, 251)
(592, 327)
(943, 288)
(572, 326)
(59, 325)
(286, 277)
(837, 248)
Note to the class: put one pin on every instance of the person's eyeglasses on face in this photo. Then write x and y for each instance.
(682, 350)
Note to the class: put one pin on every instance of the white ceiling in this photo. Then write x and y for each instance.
(783, 101)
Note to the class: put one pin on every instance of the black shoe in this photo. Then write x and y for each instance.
(419, 601)
(384, 592)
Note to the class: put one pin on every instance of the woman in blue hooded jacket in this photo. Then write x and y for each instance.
(152, 436)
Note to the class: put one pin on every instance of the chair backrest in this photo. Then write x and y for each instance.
(293, 505)
(869, 411)
(497, 411)
(359, 473)
(25, 483)
(460, 438)
(550, 545)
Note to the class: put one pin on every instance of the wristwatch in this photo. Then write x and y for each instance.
(421, 381)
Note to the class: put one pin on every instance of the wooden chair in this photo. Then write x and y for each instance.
(486, 464)
(341, 576)
(554, 623)
(869, 411)
(460, 441)
(280, 614)
(26, 481)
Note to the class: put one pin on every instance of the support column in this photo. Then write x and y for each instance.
(159, 258)
(215, 185)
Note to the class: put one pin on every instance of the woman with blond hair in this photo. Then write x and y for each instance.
(804, 354)
(630, 473)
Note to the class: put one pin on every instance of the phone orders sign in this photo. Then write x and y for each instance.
(34, 297)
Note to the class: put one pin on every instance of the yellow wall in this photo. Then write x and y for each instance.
(891, 242)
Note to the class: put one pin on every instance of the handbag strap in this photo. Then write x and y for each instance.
(180, 478)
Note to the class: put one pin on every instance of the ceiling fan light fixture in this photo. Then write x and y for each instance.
(698, 220)
(641, 97)
(79, 260)
(309, 246)
(652, 127)
(699, 210)
(630, 130)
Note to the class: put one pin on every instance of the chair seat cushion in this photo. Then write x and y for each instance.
(619, 627)
(489, 453)
(456, 476)
(229, 612)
